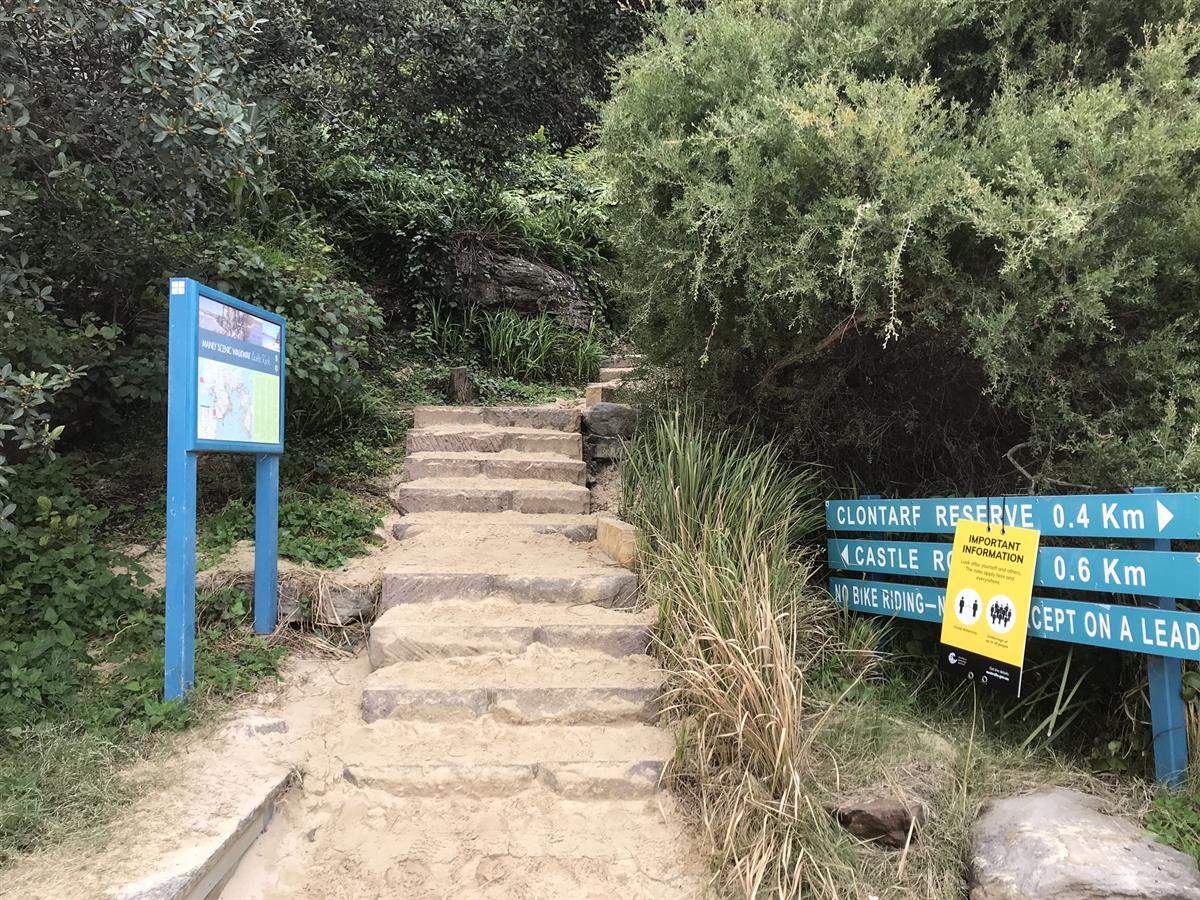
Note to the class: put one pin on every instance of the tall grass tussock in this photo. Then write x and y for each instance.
(532, 348)
(740, 626)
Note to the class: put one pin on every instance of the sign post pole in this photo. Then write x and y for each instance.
(266, 542)
(180, 637)
(1167, 713)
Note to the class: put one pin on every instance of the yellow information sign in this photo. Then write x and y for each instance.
(988, 594)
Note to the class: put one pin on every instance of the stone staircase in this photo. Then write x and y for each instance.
(511, 682)
(618, 371)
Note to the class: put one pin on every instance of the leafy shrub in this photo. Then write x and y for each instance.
(60, 768)
(467, 81)
(323, 531)
(329, 320)
(923, 242)
(1174, 818)
(58, 589)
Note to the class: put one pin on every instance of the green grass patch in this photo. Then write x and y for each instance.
(57, 779)
(62, 764)
(323, 530)
(530, 349)
(1174, 818)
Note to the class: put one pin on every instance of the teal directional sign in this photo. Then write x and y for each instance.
(1156, 516)
(1150, 570)
(1148, 573)
(1139, 629)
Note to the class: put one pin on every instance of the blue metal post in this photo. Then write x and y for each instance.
(179, 670)
(1167, 714)
(266, 542)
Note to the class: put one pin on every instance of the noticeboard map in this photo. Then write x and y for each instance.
(239, 369)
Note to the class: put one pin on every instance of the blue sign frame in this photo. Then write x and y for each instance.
(183, 447)
(1149, 517)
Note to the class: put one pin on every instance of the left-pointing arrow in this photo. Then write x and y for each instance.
(846, 555)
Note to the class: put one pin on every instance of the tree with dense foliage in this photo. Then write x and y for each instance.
(322, 159)
(948, 245)
(211, 137)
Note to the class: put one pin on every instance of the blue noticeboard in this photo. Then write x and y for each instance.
(225, 391)
(1148, 518)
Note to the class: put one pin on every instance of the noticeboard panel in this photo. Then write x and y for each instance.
(238, 375)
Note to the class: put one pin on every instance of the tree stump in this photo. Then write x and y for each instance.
(461, 388)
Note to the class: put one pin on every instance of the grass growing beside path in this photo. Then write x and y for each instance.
(783, 705)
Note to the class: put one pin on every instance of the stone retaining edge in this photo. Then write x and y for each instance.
(205, 877)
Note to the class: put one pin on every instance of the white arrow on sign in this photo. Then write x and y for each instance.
(846, 555)
(1164, 515)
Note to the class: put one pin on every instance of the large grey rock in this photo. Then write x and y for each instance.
(500, 280)
(611, 419)
(600, 449)
(1057, 843)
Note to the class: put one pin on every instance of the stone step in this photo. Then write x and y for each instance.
(486, 439)
(491, 495)
(614, 373)
(615, 588)
(535, 844)
(627, 361)
(486, 759)
(600, 392)
(553, 418)
(470, 628)
(505, 464)
(575, 528)
(541, 686)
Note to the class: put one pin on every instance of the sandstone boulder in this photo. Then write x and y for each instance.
(887, 821)
(1058, 843)
(610, 420)
(493, 280)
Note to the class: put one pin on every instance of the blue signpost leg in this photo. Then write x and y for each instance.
(179, 669)
(1166, 696)
(181, 575)
(266, 542)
